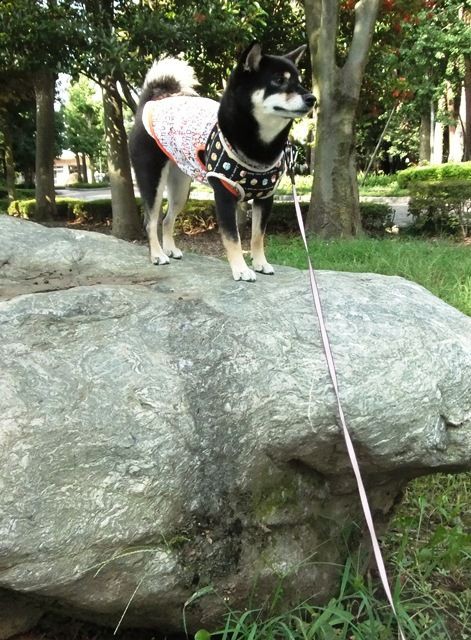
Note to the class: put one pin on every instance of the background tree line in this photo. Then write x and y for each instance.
(405, 62)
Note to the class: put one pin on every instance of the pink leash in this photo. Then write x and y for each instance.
(290, 162)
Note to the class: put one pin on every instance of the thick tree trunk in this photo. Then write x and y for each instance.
(126, 221)
(425, 136)
(44, 86)
(334, 209)
(9, 159)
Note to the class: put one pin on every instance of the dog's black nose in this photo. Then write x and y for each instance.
(309, 99)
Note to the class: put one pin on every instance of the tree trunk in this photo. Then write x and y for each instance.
(455, 132)
(84, 170)
(92, 169)
(334, 209)
(467, 108)
(437, 136)
(44, 86)
(310, 149)
(79, 168)
(126, 220)
(425, 135)
(9, 159)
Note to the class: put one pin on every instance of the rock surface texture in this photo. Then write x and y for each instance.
(164, 429)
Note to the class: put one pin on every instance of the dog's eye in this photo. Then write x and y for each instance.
(278, 81)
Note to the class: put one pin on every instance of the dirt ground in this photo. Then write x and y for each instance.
(55, 628)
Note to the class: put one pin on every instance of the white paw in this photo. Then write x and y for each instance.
(174, 253)
(161, 258)
(247, 275)
(263, 267)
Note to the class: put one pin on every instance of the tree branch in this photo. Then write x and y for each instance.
(321, 27)
(366, 12)
(126, 89)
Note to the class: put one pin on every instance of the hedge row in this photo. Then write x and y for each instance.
(439, 172)
(441, 207)
(200, 214)
(375, 217)
(67, 209)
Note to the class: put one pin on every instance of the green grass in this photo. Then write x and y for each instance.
(380, 185)
(375, 185)
(442, 267)
(358, 611)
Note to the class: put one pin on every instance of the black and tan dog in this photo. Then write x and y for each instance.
(236, 146)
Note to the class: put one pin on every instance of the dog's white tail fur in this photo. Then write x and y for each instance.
(172, 68)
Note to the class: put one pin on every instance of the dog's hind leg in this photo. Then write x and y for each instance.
(261, 210)
(157, 254)
(151, 169)
(178, 188)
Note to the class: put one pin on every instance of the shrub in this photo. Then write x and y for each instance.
(376, 217)
(197, 214)
(67, 209)
(442, 207)
(87, 185)
(439, 172)
(22, 208)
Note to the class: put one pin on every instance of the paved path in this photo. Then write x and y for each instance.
(399, 205)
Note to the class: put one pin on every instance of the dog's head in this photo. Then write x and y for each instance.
(272, 84)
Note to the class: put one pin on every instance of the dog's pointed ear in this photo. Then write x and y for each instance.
(250, 59)
(296, 55)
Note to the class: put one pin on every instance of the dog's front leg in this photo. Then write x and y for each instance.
(226, 204)
(261, 210)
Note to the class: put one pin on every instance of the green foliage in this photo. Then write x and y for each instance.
(442, 206)
(197, 215)
(36, 35)
(83, 116)
(417, 51)
(448, 171)
(357, 612)
(430, 544)
(380, 184)
(376, 217)
(67, 209)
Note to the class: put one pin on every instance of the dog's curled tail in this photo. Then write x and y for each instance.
(168, 77)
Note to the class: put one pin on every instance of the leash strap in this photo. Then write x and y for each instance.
(290, 155)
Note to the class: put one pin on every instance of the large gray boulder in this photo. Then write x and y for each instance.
(167, 429)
